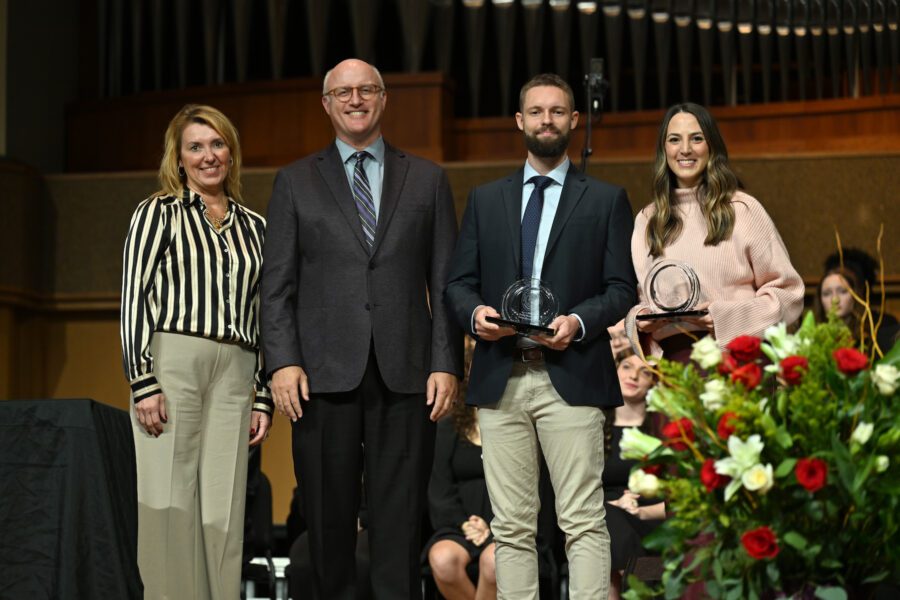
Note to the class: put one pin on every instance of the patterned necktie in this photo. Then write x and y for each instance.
(362, 195)
(531, 221)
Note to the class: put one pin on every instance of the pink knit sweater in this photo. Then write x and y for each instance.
(748, 279)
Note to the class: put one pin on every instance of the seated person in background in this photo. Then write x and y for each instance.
(858, 270)
(460, 510)
(618, 341)
(628, 517)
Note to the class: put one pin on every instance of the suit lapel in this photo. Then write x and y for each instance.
(572, 192)
(395, 169)
(332, 170)
(512, 203)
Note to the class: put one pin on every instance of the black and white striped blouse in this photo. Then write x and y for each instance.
(180, 275)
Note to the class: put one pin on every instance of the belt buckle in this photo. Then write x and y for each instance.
(535, 351)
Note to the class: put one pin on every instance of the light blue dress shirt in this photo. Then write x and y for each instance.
(374, 168)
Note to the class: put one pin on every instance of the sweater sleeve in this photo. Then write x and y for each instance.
(778, 287)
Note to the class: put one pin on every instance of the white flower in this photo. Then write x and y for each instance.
(886, 379)
(636, 444)
(881, 463)
(862, 433)
(781, 343)
(713, 396)
(663, 399)
(743, 456)
(645, 484)
(654, 400)
(758, 478)
(706, 352)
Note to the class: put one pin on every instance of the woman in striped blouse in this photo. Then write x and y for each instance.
(190, 300)
(700, 217)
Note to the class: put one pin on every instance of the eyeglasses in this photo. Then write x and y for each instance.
(366, 92)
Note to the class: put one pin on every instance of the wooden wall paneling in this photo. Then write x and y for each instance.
(279, 121)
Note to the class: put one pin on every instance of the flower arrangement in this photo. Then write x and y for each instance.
(779, 467)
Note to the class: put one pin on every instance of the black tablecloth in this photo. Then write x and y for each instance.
(68, 501)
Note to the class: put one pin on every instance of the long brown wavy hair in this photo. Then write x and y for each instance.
(717, 186)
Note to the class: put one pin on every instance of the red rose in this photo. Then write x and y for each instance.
(793, 368)
(850, 361)
(760, 543)
(709, 478)
(744, 348)
(749, 375)
(727, 365)
(812, 473)
(652, 469)
(673, 432)
(727, 425)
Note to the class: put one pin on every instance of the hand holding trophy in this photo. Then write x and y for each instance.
(528, 306)
(672, 290)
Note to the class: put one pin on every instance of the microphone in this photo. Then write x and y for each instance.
(597, 85)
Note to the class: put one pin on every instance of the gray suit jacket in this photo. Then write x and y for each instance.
(324, 300)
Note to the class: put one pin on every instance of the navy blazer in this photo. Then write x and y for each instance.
(587, 265)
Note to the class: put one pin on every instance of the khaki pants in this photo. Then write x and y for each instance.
(192, 479)
(571, 437)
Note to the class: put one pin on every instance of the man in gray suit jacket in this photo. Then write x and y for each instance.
(550, 222)
(360, 348)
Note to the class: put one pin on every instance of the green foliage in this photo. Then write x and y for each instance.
(828, 539)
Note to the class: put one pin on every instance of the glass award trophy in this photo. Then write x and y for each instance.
(673, 290)
(528, 306)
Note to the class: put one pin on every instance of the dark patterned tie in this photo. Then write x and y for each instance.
(362, 195)
(531, 221)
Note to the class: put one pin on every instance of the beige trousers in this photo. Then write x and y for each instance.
(192, 479)
(571, 437)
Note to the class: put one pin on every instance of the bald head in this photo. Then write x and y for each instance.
(356, 120)
(351, 63)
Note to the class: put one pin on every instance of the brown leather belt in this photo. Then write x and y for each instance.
(528, 354)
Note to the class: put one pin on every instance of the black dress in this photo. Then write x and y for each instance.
(625, 530)
(456, 490)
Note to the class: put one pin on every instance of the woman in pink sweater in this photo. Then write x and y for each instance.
(700, 217)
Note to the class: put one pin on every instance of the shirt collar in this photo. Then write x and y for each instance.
(376, 149)
(558, 175)
(190, 197)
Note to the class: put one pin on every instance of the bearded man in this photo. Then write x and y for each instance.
(545, 393)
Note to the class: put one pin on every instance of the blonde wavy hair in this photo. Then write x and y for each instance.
(717, 186)
(170, 180)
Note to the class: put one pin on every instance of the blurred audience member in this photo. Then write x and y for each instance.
(629, 517)
(858, 272)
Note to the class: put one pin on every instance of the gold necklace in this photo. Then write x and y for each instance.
(216, 222)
